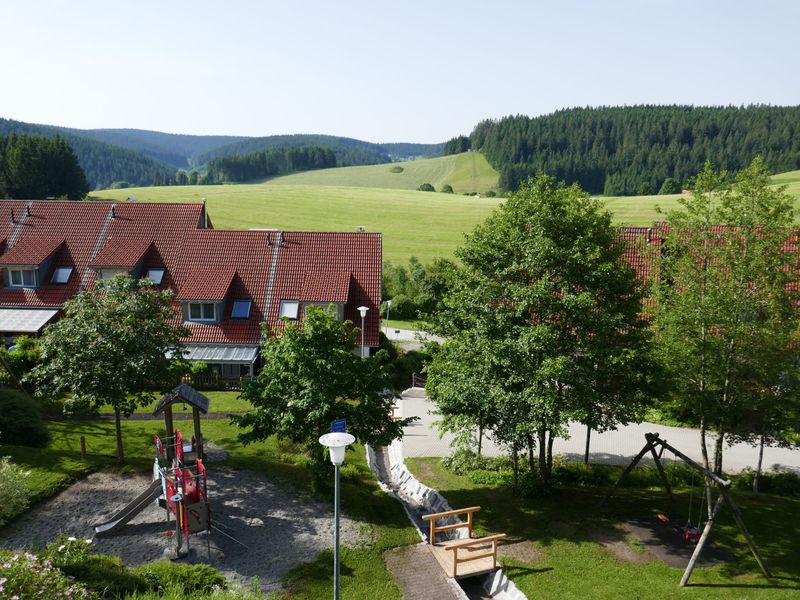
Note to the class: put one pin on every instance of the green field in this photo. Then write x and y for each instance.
(467, 172)
(422, 224)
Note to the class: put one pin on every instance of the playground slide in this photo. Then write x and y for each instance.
(138, 504)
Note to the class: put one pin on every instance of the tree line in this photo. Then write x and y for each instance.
(268, 163)
(635, 150)
(36, 167)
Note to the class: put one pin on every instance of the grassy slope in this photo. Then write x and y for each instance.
(420, 224)
(467, 172)
(563, 528)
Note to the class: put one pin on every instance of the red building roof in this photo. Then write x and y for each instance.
(199, 263)
(121, 252)
(31, 252)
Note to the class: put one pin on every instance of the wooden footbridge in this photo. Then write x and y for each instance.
(464, 557)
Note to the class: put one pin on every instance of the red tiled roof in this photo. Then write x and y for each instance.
(121, 252)
(356, 253)
(206, 284)
(32, 251)
(325, 286)
(200, 264)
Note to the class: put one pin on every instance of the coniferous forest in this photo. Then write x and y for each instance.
(33, 167)
(634, 150)
(278, 161)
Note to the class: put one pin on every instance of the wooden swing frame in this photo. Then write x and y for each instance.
(723, 486)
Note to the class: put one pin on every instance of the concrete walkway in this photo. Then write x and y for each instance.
(615, 447)
(418, 575)
(408, 339)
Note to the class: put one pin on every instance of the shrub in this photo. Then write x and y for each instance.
(14, 493)
(198, 367)
(490, 194)
(781, 484)
(26, 576)
(21, 420)
(426, 187)
(447, 188)
(396, 169)
(120, 185)
(164, 575)
(670, 186)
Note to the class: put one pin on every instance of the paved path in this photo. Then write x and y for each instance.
(418, 574)
(616, 447)
(408, 339)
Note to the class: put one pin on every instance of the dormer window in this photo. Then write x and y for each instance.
(289, 309)
(22, 278)
(202, 311)
(61, 275)
(155, 275)
(241, 309)
(111, 273)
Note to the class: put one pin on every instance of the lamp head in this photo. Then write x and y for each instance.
(389, 303)
(337, 443)
(362, 310)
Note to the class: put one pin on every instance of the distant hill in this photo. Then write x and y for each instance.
(632, 150)
(171, 148)
(348, 151)
(102, 163)
(467, 172)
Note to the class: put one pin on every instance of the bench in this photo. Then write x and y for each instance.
(462, 557)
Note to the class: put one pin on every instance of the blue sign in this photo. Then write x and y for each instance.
(339, 426)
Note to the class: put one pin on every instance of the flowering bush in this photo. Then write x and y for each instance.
(67, 550)
(14, 493)
(27, 577)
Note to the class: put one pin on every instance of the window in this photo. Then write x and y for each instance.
(22, 277)
(241, 309)
(289, 309)
(61, 275)
(202, 311)
(111, 273)
(155, 275)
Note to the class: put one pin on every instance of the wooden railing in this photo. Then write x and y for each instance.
(470, 545)
(418, 380)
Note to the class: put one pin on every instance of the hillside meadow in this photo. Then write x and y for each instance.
(466, 173)
(422, 224)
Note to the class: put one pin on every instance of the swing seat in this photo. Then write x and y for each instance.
(691, 533)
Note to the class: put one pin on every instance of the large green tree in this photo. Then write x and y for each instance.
(312, 376)
(727, 313)
(117, 344)
(553, 314)
(34, 167)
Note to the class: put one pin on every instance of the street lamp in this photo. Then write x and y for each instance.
(388, 308)
(337, 443)
(362, 310)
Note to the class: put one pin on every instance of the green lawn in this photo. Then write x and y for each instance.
(467, 172)
(422, 224)
(221, 402)
(571, 564)
(364, 575)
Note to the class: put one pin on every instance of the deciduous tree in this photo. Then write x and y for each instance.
(116, 345)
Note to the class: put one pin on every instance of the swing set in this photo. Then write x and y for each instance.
(692, 533)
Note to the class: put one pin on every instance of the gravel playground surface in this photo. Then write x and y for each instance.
(280, 527)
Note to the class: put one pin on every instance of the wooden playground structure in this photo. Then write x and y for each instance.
(653, 441)
(464, 557)
(180, 482)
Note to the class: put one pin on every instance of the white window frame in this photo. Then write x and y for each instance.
(61, 269)
(203, 317)
(289, 309)
(249, 308)
(21, 273)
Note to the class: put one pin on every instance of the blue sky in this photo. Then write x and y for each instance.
(400, 71)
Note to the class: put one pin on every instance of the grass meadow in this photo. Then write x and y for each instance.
(422, 224)
(466, 173)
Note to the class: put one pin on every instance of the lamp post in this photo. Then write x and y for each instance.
(337, 443)
(388, 308)
(362, 310)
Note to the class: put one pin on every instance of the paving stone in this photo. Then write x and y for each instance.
(418, 574)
